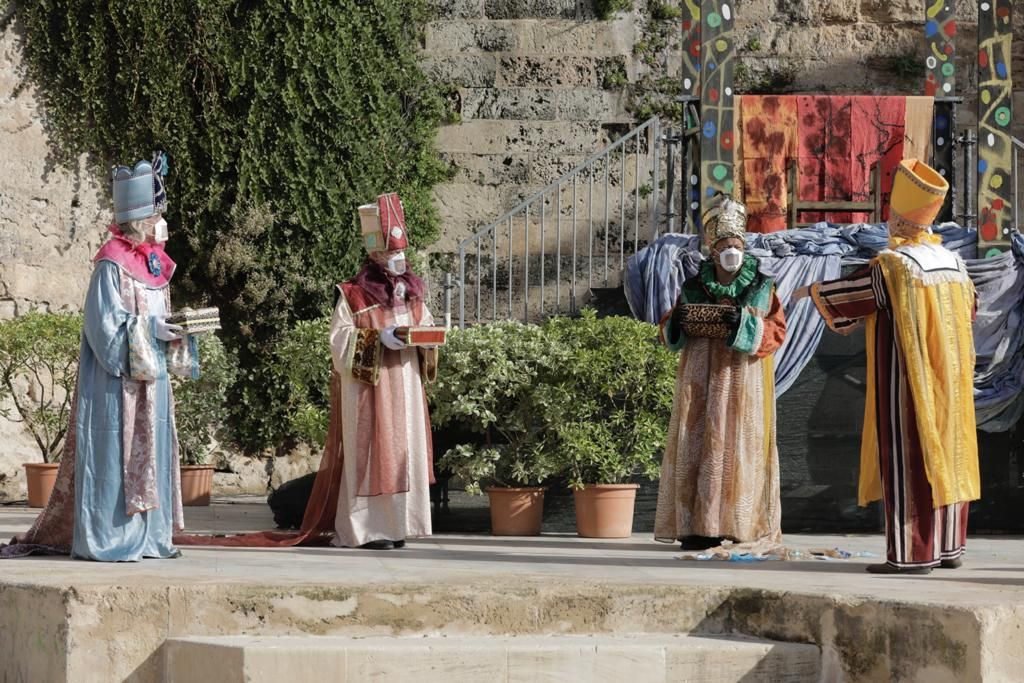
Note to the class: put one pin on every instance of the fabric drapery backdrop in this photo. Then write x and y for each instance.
(796, 258)
(834, 140)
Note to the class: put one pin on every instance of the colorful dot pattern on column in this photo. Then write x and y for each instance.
(995, 114)
(691, 47)
(940, 81)
(717, 106)
(691, 27)
(939, 32)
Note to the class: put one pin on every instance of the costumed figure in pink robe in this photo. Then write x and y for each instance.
(387, 467)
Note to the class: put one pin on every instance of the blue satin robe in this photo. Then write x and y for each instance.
(103, 531)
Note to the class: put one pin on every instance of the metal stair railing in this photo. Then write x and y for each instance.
(494, 252)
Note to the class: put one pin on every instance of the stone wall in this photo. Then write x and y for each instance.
(528, 83)
(52, 220)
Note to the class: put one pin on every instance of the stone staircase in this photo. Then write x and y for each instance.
(610, 658)
(538, 88)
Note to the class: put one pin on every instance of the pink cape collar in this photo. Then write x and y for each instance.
(138, 259)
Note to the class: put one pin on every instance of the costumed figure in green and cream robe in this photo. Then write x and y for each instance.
(720, 473)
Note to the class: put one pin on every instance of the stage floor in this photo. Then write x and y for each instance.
(548, 584)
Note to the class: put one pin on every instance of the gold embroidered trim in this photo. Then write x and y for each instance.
(366, 310)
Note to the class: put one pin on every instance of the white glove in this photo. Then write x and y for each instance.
(388, 338)
(166, 331)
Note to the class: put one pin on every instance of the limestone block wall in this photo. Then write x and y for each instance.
(862, 46)
(52, 220)
(532, 83)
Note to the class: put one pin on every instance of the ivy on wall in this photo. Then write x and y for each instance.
(606, 9)
(656, 88)
(279, 119)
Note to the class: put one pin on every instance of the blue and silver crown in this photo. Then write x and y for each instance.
(139, 193)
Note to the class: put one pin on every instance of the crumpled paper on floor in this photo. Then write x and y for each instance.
(761, 551)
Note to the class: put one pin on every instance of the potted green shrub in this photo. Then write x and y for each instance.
(613, 430)
(496, 383)
(200, 409)
(38, 366)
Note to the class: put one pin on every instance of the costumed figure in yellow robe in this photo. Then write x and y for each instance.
(720, 473)
(919, 449)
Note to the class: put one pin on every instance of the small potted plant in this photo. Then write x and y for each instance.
(38, 366)
(199, 411)
(494, 383)
(613, 430)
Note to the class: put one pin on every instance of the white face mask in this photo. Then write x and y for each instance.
(730, 259)
(396, 264)
(159, 233)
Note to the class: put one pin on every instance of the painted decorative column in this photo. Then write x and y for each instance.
(691, 94)
(716, 98)
(940, 83)
(995, 114)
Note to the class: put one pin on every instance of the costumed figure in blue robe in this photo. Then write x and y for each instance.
(118, 493)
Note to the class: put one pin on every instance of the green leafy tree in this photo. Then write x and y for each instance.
(279, 118)
(304, 364)
(38, 368)
(606, 9)
(200, 405)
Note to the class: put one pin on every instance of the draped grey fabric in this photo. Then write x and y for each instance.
(795, 258)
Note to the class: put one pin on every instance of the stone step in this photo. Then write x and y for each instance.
(486, 70)
(538, 9)
(453, 659)
(530, 36)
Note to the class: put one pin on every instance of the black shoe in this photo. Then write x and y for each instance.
(886, 568)
(700, 542)
(382, 544)
(951, 564)
(398, 544)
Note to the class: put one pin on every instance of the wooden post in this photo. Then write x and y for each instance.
(690, 100)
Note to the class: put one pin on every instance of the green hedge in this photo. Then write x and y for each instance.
(200, 405)
(279, 119)
(585, 399)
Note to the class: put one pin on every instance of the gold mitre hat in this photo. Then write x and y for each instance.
(724, 217)
(918, 192)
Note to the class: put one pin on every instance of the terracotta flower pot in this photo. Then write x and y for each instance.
(516, 512)
(605, 510)
(196, 483)
(41, 477)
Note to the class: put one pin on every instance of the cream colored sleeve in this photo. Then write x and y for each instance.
(342, 336)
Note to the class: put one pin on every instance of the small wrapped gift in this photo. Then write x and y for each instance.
(422, 335)
(196, 321)
(705, 320)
